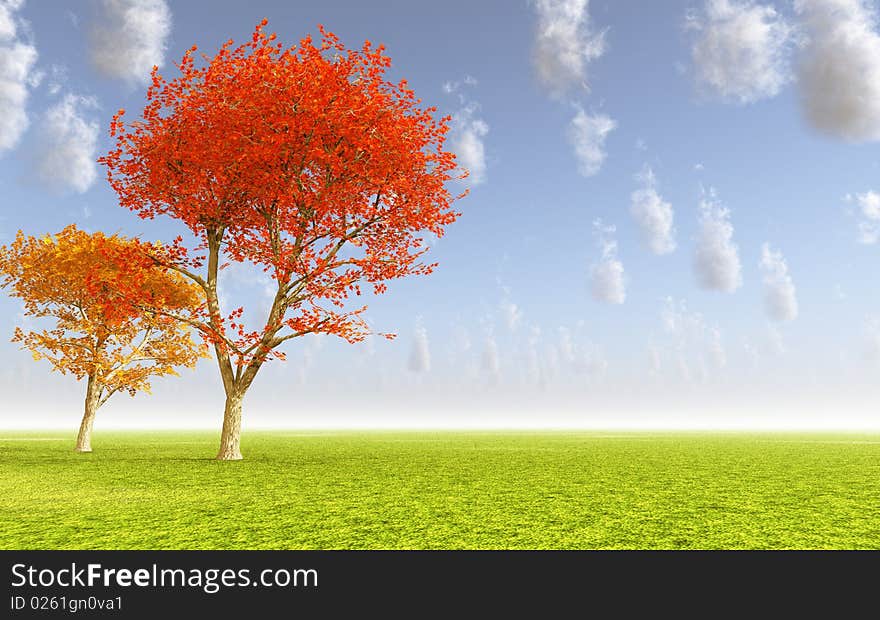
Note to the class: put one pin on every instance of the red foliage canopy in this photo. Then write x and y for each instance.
(305, 161)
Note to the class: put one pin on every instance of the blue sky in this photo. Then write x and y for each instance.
(732, 104)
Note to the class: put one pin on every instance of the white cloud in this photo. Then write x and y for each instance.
(679, 320)
(510, 312)
(715, 347)
(871, 332)
(655, 360)
(420, 354)
(587, 135)
(839, 74)
(607, 277)
(453, 87)
(462, 339)
(565, 355)
(491, 360)
(565, 44)
(567, 349)
(780, 300)
(653, 215)
(752, 354)
(468, 131)
(68, 144)
(534, 366)
(741, 49)
(716, 260)
(130, 37)
(8, 27)
(869, 214)
(608, 283)
(693, 338)
(58, 77)
(775, 341)
(17, 60)
(591, 362)
(670, 315)
(684, 368)
(466, 141)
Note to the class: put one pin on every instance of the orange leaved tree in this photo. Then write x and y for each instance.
(109, 303)
(306, 163)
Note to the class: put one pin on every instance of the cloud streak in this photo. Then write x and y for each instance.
(17, 60)
(510, 311)
(468, 131)
(868, 205)
(565, 44)
(491, 360)
(780, 299)
(741, 50)
(587, 134)
(129, 38)
(420, 353)
(68, 144)
(653, 215)
(607, 277)
(716, 257)
(467, 142)
(695, 342)
(839, 74)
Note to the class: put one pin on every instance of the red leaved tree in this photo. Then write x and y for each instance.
(306, 163)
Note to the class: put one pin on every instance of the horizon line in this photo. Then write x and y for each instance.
(463, 429)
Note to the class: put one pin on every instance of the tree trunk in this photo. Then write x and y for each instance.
(93, 394)
(230, 437)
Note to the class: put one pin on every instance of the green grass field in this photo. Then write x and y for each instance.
(441, 490)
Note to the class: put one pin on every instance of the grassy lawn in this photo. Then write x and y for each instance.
(441, 490)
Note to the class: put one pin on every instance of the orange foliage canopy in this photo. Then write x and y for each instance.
(109, 302)
(305, 161)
